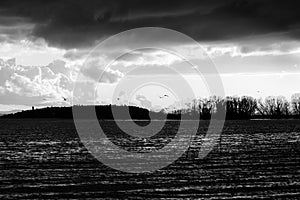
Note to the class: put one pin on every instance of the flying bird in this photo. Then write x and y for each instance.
(164, 96)
(65, 99)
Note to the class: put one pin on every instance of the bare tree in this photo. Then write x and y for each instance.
(261, 108)
(205, 108)
(270, 105)
(247, 107)
(274, 106)
(282, 106)
(295, 104)
(232, 106)
(220, 105)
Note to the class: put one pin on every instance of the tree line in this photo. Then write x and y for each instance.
(245, 107)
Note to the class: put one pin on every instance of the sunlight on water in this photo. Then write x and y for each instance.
(45, 159)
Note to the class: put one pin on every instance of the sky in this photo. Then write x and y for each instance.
(44, 45)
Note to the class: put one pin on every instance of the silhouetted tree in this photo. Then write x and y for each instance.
(295, 104)
(247, 107)
(282, 106)
(220, 108)
(270, 104)
(205, 108)
(232, 107)
(261, 108)
(274, 107)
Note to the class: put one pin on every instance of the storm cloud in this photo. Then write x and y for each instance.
(74, 24)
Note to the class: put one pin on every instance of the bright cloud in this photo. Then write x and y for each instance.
(30, 52)
(41, 82)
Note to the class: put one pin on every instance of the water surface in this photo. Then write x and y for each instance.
(44, 159)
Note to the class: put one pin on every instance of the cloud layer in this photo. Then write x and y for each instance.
(73, 24)
(241, 36)
(34, 85)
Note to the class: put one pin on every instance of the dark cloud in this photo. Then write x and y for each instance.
(72, 24)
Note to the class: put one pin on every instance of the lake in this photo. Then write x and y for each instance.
(44, 159)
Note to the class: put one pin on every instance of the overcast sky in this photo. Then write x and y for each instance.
(254, 44)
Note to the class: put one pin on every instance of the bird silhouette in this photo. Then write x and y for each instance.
(65, 99)
(164, 96)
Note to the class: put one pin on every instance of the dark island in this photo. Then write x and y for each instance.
(103, 112)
